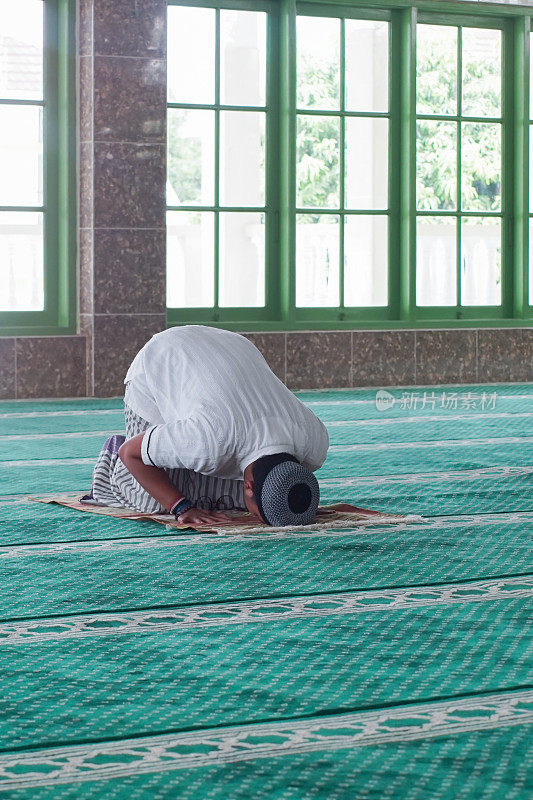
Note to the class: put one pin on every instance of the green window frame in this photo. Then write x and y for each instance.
(281, 311)
(524, 145)
(59, 180)
(219, 313)
(459, 214)
(344, 211)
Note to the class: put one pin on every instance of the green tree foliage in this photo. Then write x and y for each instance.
(437, 141)
(184, 159)
(481, 161)
(318, 137)
(318, 161)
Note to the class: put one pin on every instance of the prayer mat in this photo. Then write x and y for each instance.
(356, 659)
(339, 515)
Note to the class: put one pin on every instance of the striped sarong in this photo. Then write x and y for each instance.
(114, 485)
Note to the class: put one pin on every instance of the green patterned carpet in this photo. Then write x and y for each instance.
(386, 662)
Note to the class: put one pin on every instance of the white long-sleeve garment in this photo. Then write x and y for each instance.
(216, 406)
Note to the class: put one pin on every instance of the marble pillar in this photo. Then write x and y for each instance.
(122, 175)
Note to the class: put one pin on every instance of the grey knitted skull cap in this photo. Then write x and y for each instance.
(285, 491)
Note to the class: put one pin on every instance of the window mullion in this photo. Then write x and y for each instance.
(53, 168)
(287, 105)
(407, 251)
(272, 197)
(342, 153)
(394, 202)
(216, 254)
(516, 178)
(459, 202)
(510, 189)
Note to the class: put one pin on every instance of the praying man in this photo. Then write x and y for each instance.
(210, 428)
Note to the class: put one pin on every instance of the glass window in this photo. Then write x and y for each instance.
(436, 69)
(242, 158)
(318, 63)
(302, 188)
(481, 72)
(342, 162)
(436, 261)
(367, 53)
(366, 162)
(190, 258)
(459, 166)
(317, 260)
(481, 248)
(243, 37)
(242, 259)
(21, 156)
(21, 261)
(191, 157)
(318, 176)
(216, 165)
(365, 260)
(191, 54)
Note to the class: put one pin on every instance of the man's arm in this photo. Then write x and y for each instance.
(158, 485)
(153, 479)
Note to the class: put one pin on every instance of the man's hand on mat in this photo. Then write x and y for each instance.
(198, 516)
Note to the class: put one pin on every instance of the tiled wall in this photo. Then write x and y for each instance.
(42, 366)
(322, 359)
(55, 366)
(122, 69)
(122, 130)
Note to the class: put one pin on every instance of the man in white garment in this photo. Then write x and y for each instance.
(210, 407)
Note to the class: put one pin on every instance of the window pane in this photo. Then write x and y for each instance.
(21, 155)
(317, 260)
(436, 259)
(365, 261)
(21, 261)
(366, 162)
(436, 165)
(191, 55)
(21, 50)
(242, 158)
(436, 90)
(191, 157)
(242, 259)
(190, 259)
(242, 57)
(481, 166)
(367, 53)
(481, 250)
(482, 72)
(318, 55)
(318, 162)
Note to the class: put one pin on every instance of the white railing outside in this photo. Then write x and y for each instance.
(21, 264)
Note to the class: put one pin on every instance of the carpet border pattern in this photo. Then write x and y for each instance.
(217, 746)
